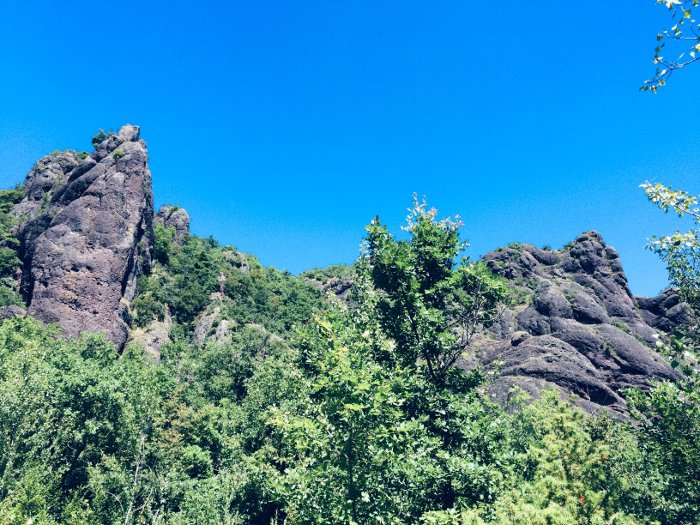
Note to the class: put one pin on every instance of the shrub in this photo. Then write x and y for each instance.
(101, 136)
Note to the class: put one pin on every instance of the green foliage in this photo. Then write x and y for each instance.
(74, 420)
(669, 416)
(195, 268)
(312, 411)
(101, 136)
(621, 325)
(669, 437)
(275, 299)
(430, 306)
(683, 36)
(9, 244)
(377, 443)
(81, 155)
(561, 468)
(118, 153)
(680, 251)
(185, 282)
(186, 275)
(329, 273)
(162, 244)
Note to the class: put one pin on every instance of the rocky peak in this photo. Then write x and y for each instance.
(176, 218)
(576, 326)
(86, 233)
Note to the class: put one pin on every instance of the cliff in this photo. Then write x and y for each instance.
(85, 230)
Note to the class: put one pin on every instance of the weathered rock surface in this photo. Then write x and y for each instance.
(86, 234)
(338, 284)
(666, 311)
(212, 323)
(153, 336)
(176, 218)
(577, 326)
(8, 312)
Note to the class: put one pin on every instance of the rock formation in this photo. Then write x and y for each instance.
(153, 336)
(177, 219)
(86, 234)
(577, 326)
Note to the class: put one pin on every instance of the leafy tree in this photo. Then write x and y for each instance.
(669, 415)
(9, 244)
(562, 471)
(669, 438)
(680, 251)
(428, 304)
(77, 425)
(375, 442)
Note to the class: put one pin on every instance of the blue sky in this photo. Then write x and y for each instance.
(284, 127)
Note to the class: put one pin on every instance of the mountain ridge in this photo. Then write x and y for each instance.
(94, 257)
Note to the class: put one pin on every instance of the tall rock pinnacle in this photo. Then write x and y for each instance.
(86, 235)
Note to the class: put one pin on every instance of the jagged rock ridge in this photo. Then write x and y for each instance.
(86, 233)
(577, 326)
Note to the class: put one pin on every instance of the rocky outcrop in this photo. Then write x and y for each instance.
(153, 336)
(576, 326)
(666, 311)
(86, 234)
(177, 219)
(85, 227)
(212, 323)
(334, 281)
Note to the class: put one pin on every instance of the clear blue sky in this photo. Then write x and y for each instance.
(284, 127)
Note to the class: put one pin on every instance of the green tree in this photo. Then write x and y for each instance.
(560, 467)
(681, 253)
(427, 303)
(680, 250)
(669, 416)
(375, 442)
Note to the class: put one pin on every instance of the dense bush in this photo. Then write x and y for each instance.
(9, 244)
(185, 277)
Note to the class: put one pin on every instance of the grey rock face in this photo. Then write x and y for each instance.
(212, 323)
(86, 235)
(577, 327)
(177, 219)
(46, 176)
(666, 311)
(338, 287)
